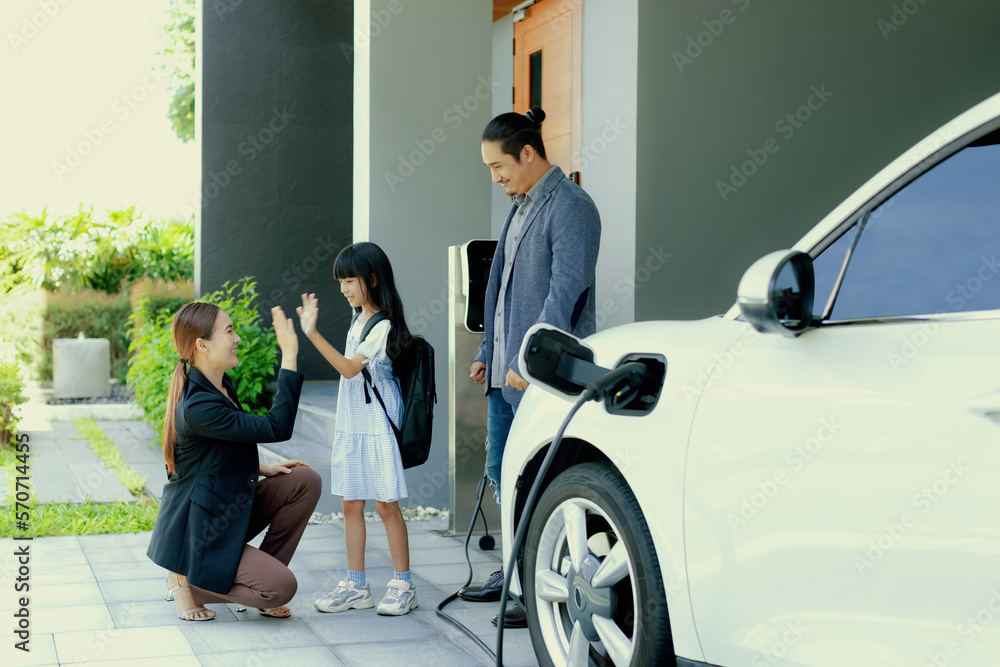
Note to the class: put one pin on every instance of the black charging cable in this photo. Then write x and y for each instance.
(619, 382)
(480, 490)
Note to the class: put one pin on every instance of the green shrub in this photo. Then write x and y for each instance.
(154, 356)
(22, 322)
(69, 253)
(11, 396)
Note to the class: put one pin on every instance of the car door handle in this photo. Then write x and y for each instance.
(985, 405)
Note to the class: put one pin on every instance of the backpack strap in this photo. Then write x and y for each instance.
(369, 325)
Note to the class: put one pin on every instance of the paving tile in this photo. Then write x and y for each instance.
(431, 652)
(326, 560)
(77, 452)
(117, 572)
(72, 619)
(517, 643)
(64, 595)
(58, 542)
(443, 555)
(316, 656)
(60, 429)
(135, 590)
(276, 633)
(365, 626)
(129, 644)
(172, 661)
(122, 555)
(119, 540)
(453, 576)
(41, 653)
(159, 612)
(98, 483)
(56, 574)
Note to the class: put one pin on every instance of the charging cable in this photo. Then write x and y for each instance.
(620, 382)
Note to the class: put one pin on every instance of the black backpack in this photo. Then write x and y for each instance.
(416, 383)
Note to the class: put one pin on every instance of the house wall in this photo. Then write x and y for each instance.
(423, 94)
(275, 130)
(717, 79)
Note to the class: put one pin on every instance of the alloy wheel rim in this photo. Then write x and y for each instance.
(585, 593)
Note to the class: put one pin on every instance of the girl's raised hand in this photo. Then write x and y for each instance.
(308, 314)
(284, 329)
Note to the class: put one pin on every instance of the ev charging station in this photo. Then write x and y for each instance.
(468, 273)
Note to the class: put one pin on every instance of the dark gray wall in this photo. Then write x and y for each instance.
(895, 70)
(276, 136)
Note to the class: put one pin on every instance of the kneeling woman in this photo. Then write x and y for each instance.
(213, 503)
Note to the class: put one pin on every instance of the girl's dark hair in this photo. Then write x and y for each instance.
(514, 131)
(193, 321)
(366, 261)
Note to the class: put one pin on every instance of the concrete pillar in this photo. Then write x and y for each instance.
(423, 92)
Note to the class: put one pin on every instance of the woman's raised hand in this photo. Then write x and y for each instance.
(308, 314)
(284, 329)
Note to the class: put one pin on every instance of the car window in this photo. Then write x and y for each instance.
(934, 246)
(827, 265)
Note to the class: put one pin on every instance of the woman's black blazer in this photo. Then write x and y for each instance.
(202, 525)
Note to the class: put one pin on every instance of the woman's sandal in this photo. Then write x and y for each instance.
(186, 615)
(276, 612)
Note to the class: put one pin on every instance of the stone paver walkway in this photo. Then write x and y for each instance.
(98, 600)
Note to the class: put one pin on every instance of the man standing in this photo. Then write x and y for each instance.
(543, 271)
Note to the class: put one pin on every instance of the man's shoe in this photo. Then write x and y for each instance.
(513, 617)
(488, 592)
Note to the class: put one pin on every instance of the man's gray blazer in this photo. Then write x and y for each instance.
(553, 277)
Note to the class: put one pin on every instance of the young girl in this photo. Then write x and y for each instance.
(365, 461)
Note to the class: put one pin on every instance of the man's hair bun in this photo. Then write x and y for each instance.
(535, 115)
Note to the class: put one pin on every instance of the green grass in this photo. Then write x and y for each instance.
(111, 455)
(89, 517)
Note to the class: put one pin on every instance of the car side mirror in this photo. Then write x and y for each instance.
(776, 293)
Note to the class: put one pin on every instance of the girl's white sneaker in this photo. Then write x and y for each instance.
(347, 595)
(400, 598)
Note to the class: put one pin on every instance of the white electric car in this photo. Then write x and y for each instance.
(812, 478)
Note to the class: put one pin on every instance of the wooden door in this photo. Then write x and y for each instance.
(547, 74)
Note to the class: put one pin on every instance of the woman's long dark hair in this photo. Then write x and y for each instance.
(368, 263)
(193, 321)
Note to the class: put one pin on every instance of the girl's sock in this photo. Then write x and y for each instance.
(405, 576)
(358, 578)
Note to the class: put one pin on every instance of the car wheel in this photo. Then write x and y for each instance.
(593, 587)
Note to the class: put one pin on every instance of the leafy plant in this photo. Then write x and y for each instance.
(11, 396)
(154, 356)
(110, 254)
(179, 65)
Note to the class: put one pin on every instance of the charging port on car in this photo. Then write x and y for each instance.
(639, 400)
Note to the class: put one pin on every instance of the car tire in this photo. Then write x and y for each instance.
(592, 583)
